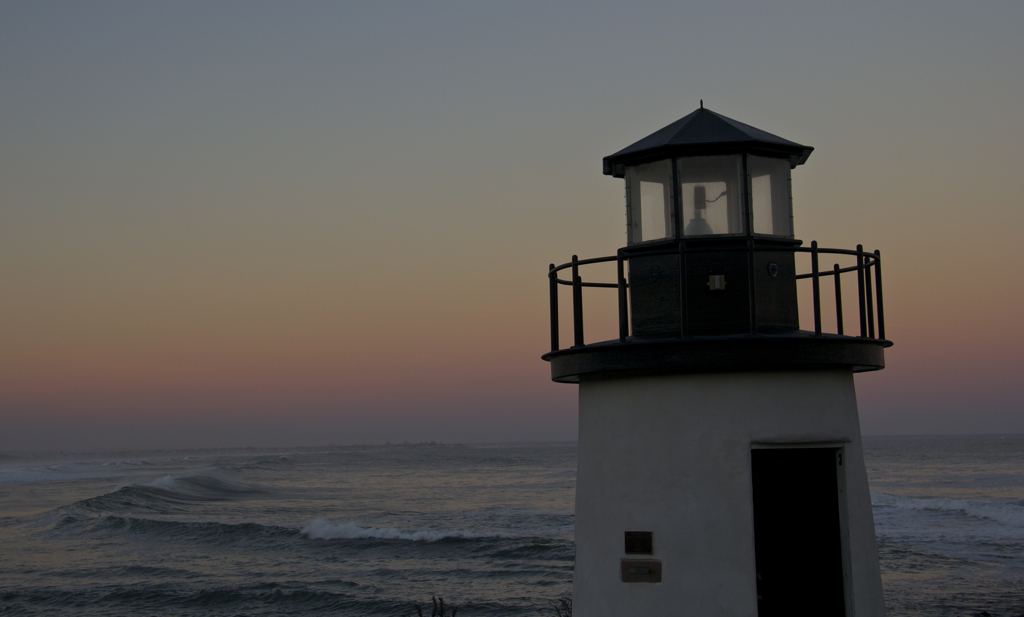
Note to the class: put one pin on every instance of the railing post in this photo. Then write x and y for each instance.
(553, 287)
(577, 303)
(878, 294)
(868, 295)
(860, 290)
(751, 288)
(816, 287)
(683, 328)
(623, 305)
(839, 300)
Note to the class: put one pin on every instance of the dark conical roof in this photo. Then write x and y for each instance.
(704, 132)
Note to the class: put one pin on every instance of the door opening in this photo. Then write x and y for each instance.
(797, 529)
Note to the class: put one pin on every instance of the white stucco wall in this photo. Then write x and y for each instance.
(672, 455)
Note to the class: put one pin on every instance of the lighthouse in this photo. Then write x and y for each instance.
(721, 467)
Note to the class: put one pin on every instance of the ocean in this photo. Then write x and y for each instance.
(375, 530)
(949, 516)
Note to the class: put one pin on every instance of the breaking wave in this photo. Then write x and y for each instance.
(277, 537)
(1005, 512)
(166, 495)
(201, 486)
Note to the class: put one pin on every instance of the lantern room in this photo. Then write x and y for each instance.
(706, 175)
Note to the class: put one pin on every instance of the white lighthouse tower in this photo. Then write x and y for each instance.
(720, 460)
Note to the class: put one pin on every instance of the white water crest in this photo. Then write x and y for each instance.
(1006, 512)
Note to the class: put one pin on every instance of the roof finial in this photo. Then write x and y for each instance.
(702, 103)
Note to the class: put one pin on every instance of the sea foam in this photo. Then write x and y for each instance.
(1009, 513)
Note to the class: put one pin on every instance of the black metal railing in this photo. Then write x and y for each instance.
(869, 287)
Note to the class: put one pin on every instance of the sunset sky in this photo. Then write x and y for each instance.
(253, 223)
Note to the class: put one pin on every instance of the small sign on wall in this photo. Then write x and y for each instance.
(639, 543)
(641, 571)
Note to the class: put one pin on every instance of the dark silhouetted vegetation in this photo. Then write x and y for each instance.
(439, 610)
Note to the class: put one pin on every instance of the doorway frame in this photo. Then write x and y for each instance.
(839, 449)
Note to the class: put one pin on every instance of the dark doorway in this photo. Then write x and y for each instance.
(797, 532)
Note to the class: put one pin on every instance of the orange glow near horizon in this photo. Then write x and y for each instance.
(193, 236)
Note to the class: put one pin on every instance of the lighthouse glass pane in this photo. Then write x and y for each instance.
(770, 196)
(712, 195)
(649, 194)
